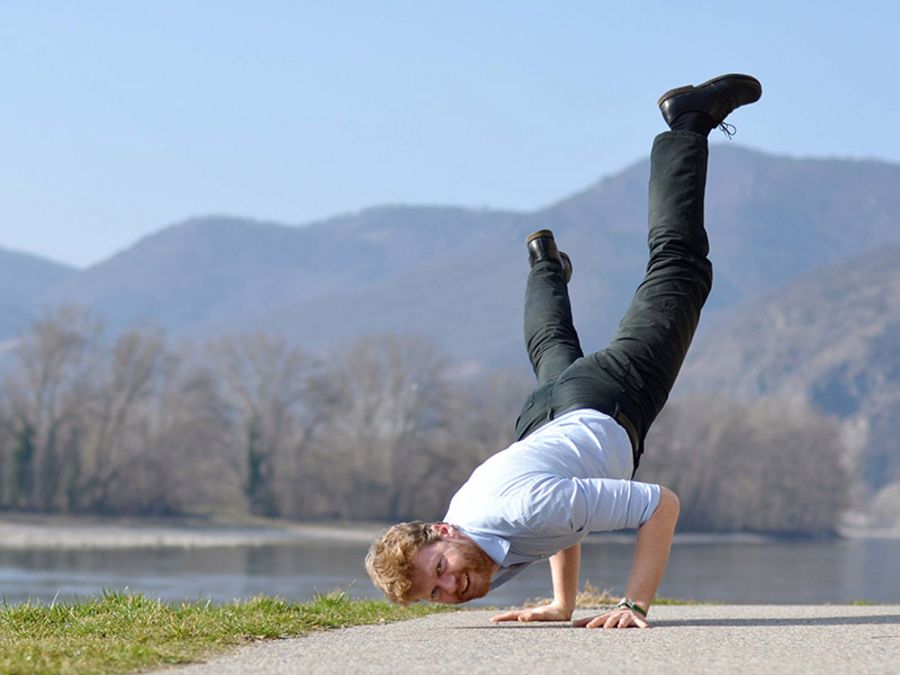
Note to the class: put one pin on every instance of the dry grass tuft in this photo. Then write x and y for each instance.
(589, 596)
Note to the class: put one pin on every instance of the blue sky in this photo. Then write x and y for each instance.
(119, 118)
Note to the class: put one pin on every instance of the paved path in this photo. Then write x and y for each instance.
(685, 639)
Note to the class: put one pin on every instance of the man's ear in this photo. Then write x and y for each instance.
(443, 529)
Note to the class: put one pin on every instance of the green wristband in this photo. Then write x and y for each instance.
(630, 604)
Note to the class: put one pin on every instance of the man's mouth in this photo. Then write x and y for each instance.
(465, 585)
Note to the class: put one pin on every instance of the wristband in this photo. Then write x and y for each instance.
(630, 604)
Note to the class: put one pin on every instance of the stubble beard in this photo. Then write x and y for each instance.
(479, 567)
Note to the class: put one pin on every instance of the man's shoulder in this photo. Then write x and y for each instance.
(523, 504)
(489, 507)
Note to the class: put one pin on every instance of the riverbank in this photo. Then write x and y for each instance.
(33, 532)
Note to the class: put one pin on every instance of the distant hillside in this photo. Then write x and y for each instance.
(206, 269)
(24, 279)
(832, 337)
(458, 275)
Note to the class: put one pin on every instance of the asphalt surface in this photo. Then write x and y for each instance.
(683, 639)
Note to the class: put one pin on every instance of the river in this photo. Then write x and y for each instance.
(728, 569)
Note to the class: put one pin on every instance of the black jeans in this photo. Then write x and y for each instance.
(630, 379)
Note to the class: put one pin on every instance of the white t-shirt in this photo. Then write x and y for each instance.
(547, 491)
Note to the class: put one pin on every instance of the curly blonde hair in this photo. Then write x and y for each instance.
(390, 558)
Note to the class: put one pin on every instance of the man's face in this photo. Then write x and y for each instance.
(451, 570)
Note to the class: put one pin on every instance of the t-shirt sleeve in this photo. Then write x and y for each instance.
(602, 504)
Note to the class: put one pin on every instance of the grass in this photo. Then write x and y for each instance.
(119, 633)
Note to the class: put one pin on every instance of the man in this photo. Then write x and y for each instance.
(581, 432)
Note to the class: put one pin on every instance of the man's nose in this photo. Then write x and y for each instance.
(448, 583)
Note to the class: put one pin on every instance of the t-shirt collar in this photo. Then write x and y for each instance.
(496, 547)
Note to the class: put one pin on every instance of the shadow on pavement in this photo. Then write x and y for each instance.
(799, 621)
(877, 619)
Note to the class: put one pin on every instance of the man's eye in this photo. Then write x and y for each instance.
(434, 594)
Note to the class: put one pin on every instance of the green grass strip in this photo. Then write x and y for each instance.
(120, 632)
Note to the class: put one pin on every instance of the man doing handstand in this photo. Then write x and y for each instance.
(581, 432)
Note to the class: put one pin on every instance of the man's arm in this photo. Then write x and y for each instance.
(654, 540)
(565, 566)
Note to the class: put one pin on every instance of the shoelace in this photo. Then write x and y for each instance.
(728, 129)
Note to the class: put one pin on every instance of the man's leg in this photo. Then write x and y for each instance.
(550, 336)
(632, 377)
(652, 340)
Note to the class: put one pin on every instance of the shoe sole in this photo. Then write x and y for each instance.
(683, 90)
(538, 235)
(566, 263)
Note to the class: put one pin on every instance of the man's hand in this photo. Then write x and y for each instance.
(621, 617)
(551, 612)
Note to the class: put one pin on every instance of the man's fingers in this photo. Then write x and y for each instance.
(593, 622)
(585, 623)
(590, 622)
(623, 619)
(506, 616)
(513, 616)
(542, 613)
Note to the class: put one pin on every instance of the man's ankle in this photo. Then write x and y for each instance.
(697, 122)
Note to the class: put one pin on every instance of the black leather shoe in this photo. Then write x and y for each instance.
(542, 246)
(717, 98)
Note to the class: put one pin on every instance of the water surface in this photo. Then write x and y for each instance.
(838, 571)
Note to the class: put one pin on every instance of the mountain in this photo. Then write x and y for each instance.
(24, 279)
(831, 337)
(458, 275)
(207, 269)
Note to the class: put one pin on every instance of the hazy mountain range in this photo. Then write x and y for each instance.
(24, 280)
(806, 298)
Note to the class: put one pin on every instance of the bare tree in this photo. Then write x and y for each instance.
(392, 406)
(125, 382)
(382, 431)
(769, 466)
(183, 464)
(7, 441)
(277, 400)
(122, 429)
(49, 391)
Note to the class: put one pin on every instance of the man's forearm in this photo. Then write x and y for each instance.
(565, 566)
(654, 540)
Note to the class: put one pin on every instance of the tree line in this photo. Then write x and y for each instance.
(378, 430)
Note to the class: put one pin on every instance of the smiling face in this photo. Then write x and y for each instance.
(451, 570)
